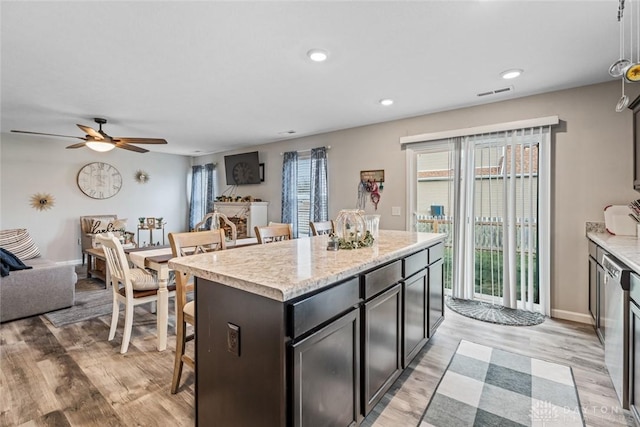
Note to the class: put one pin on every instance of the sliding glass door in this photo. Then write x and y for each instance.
(482, 191)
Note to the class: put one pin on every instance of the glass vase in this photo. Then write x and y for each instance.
(350, 227)
(372, 223)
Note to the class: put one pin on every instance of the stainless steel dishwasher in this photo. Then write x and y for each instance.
(616, 325)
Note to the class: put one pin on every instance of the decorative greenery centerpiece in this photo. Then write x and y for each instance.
(352, 243)
(351, 230)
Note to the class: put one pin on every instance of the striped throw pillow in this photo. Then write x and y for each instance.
(19, 242)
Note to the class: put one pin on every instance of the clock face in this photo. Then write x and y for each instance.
(242, 173)
(99, 180)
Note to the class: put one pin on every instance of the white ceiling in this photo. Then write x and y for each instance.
(213, 76)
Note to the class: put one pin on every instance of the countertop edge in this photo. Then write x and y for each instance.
(625, 248)
(305, 286)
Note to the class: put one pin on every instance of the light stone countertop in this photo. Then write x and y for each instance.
(625, 248)
(285, 270)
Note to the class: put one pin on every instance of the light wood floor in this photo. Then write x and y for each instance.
(73, 376)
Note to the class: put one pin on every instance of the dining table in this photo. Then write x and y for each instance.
(156, 258)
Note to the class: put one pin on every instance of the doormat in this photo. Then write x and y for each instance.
(484, 386)
(493, 313)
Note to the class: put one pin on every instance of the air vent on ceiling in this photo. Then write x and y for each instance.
(497, 91)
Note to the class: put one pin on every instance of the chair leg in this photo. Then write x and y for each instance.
(178, 364)
(114, 318)
(128, 325)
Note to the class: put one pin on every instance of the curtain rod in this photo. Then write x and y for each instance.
(328, 147)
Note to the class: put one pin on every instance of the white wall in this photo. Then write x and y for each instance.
(32, 164)
(592, 168)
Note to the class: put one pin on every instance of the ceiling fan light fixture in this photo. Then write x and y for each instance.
(100, 146)
(318, 55)
(511, 74)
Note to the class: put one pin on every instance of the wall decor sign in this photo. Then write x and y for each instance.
(372, 175)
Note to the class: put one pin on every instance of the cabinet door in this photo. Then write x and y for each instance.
(634, 360)
(436, 296)
(326, 375)
(381, 345)
(416, 328)
(593, 298)
(600, 295)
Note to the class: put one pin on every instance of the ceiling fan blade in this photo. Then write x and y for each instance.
(78, 145)
(47, 134)
(131, 147)
(141, 140)
(91, 131)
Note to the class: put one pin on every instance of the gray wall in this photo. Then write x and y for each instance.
(592, 169)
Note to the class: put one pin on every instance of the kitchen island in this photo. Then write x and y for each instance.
(290, 334)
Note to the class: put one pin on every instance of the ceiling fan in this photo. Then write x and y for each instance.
(98, 140)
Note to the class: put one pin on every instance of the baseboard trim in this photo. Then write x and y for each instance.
(572, 315)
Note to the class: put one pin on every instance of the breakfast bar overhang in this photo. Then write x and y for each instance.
(291, 334)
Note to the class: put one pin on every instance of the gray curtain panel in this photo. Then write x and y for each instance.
(319, 209)
(290, 189)
(202, 193)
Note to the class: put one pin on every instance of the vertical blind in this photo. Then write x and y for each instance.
(499, 201)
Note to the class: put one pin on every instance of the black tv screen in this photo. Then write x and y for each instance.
(241, 169)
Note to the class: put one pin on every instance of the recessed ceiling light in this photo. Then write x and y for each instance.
(318, 55)
(386, 102)
(511, 74)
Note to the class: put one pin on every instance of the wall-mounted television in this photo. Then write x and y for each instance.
(241, 169)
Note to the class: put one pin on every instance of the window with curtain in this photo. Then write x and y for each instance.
(304, 189)
(203, 190)
(491, 192)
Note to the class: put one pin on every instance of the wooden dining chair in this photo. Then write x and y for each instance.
(218, 220)
(131, 286)
(273, 233)
(186, 244)
(322, 227)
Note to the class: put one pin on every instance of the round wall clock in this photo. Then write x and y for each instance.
(99, 180)
(242, 173)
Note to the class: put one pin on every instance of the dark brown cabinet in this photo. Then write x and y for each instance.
(596, 288)
(436, 296)
(634, 347)
(326, 375)
(635, 107)
(415, 303)
(382, 334)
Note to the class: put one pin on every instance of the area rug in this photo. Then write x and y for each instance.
(493, 313)
(483, 386)
(92, 300)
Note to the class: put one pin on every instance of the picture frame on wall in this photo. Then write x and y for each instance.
(261, 172)
(151, 222)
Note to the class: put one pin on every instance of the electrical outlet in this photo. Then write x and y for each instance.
(233, 339)
(395, 210)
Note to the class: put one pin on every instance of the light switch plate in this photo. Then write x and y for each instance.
(395, 210)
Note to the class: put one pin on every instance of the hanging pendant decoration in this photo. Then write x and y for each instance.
(627, 70)
(371, 182)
